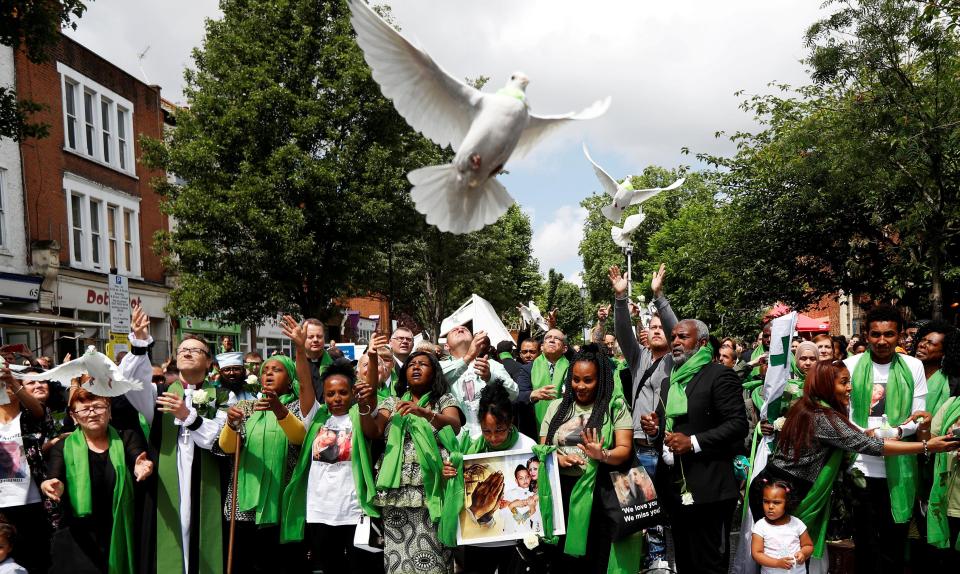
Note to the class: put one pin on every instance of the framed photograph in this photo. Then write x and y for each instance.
(500, 497)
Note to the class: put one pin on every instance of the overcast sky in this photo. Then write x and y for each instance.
(671, 67)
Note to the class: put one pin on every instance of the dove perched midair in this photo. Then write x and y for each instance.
(621, 235)
(484, 129)
(106, 380)
(623, 194)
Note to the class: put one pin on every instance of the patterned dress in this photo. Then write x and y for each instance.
(410, 538)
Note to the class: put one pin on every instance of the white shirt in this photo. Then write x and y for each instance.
(331, 492)
(780, 542)
(16, 483)
(137, 367)
(466, 384)
(874, 466)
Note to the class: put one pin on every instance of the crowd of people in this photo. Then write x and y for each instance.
(223, 459)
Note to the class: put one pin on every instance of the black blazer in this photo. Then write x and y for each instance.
(715, 414)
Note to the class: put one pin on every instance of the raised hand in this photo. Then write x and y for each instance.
(269, 401)
(173, 404)
(552, 318)
(486, 497)
(656, 280)
(603, 311)
(481, 365)
(142, 467)
(478, 345)
(379, 340)
(618, 281)
(139, 324)
(294, 331)
(52, 489)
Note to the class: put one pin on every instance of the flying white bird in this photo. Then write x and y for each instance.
(483, 129)
(624, 194)
(106, 380)
(621, 235)
(531, 316)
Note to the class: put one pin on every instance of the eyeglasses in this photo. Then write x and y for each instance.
(191, 351)
(498, 430)
(91, 411)
(405, 339)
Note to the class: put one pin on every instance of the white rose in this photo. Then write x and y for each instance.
(778, 424)
(252, 380)
(686, 498)
(531, 541)
(199, 397)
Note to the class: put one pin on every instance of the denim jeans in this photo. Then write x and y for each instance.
(656, 550)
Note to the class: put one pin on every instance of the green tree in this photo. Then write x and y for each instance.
(292, 166)
(564, 296)
(855, 176)
(35, 26)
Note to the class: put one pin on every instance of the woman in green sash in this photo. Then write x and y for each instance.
(408, 475)
(497, 433)
(815, 435)
(92, 472)
(589, 426)
(272, 431)
(943, 512)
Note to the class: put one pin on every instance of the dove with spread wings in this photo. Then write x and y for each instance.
(105, 380)
(484, 129)
(623, 194)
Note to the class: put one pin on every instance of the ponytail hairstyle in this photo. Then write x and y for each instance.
(587, 354)
(495, 401)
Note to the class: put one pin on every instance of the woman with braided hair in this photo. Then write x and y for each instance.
(590, 427)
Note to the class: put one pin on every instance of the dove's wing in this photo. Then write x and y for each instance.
(609, 184)
(631, 223)
(525, 314)
(540, 126)
(108, 380)
(432, 101)
(641, 195)
(63, 374)
(618, 237)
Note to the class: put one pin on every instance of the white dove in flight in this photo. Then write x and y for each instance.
(621, 236)
(623, 194)
(106, 380)
(484, 130)
(531, 316)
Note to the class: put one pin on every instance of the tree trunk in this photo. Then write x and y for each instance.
(936, 289)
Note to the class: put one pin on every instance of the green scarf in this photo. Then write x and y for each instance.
(938, 390)
(388, 388)
(625, 554)
(294, 504)
(938, 529)
(79, 489)
(453, 492)
(795, 369)
(263, 459)
(901, 470)
(540, 377)
(428, 455)
(814, 509)
(755, 372)
(505, 355)
(677, 394)
(169, 542)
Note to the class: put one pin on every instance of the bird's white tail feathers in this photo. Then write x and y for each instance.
(610, 212)
(618, 237)
(452, 206)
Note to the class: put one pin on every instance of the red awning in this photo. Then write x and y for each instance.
(809, 324)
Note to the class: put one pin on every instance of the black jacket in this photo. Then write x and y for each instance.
(715, 415)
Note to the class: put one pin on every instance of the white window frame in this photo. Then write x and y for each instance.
(102, 198)
(118, 107)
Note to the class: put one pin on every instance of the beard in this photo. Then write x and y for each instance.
(677, 361)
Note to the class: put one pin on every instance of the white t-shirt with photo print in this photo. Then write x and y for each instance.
(331, 492)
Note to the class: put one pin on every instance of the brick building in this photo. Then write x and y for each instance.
(89, 204)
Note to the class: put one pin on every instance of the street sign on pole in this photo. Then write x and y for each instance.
(119, 291)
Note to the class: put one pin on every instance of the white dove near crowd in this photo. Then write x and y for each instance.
(531, 316)
(623, 194)
(106, 380)
(484, 129)
(621, 235)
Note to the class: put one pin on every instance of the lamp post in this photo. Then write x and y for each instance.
(583, 298)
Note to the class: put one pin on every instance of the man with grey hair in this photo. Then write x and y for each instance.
(704, 426)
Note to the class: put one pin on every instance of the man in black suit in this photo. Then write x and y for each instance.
(702, 445)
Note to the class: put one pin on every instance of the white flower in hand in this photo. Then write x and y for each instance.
(778, 424)
(531, 541)
(252, 380)
(200, 397)
(686, 498)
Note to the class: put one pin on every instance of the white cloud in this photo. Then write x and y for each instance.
(556, 243)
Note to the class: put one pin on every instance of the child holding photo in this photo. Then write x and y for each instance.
(780, 541)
